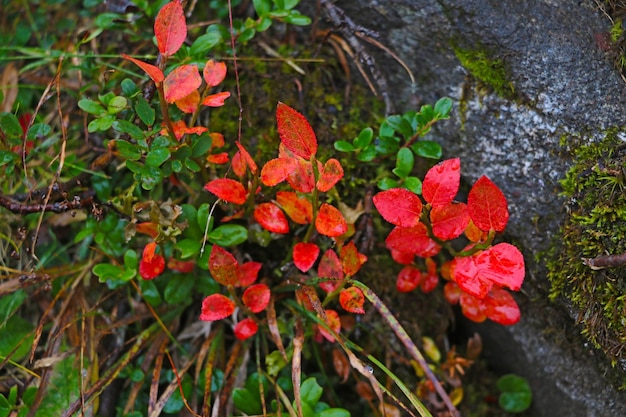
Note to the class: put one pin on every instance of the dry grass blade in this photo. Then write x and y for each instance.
(272, 324)
(214, 345)
(296, 365)
(156, 377)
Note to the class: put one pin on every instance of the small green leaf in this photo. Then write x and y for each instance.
(246, 35)
(205, 43)
(274, 362)
(400, 125)
(443, 107)
(228, 235)
(387, 183)
(404, 163)
(387, 145)
(368, 154)
(343, 146)
(124, 126)
(188, 247)
(200, 145)
(262, 7)
(39, 131)
(295, 18)
(364, 138)
(131, 260)
(178, 290)
(516, 394)
(311, 391)
(150, 176)
(116, 104)
(91, 107)
(183, 152)
(191, 165)
(333, 412)
(7, 157)
(145, 112)
(107, 271)
(246, 402)
(134, 167)
(413, 184)
(150, 292)
(427, 149)
(101, 124)
(157, 156)
(129, 88)
(127, 150)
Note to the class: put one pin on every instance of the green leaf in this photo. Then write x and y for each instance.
(427, 149)
(311, 391)
(404, 163)
(205, 43)
(295, 18)
(124, 126)
(116, 104)
(343, 146)
(91, 107)
(364, 138)
(264, 24)
(107, 271)
(203, 216)
(333, 412)
(131, 260)
(101, 124)
(252, 384)
(10, 126)
(150, 177)
(178, 289)
(228, 235)
(39, 131)
(387, 183)
(400, 125)
(274, 362)
(188, 247)
(15, 331)
(246, 35)
(516, 394)
(262, 7)
(443, 107)
(9, 304)
(134, 167)
(247, 402)
(288, 4)
(66, 380)
(127, 150)
(413, 184)
(150, 292)
(387, 145)
(368, 154)
(7, 157)
(183, 152)
(200, 145)
(129, 88)
(145, 112)
(157, 156)
(191, 165)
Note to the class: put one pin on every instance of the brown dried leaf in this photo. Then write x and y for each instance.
(341, 365)
(474, 347)
(8, 84)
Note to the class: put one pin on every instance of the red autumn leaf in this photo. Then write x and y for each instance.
(413, 240)
(474, 234)
(430, 279)
(302, 178)
(352, 300)
(152, 264)
(501, 307)
(330, 175)
(441, 182)
(181, 129)
(399, 206)
(487, 206)
(466, 274)
(256, 297)
(452, 292)
(330, 267)
(305, 255)
(217, 140)
(248, 273)
(449, 221)
(181, 82)
(227, 190)
(295, 132)
(330, 221)
(333, 321)
(245, 329)
(299, 209)
(408, 279)
(502, 264)
(239, 165)
(149, 228)
(351, 259)
(271, 218)
(216, 100)
(153, 72)
(247, 158)
(403, 258)
(170, 28)
(181, 266)
(214, 73)
(189, 103)
(218, 158)
(277, 170)
(472, 307)
(216, 307)
(223, 266)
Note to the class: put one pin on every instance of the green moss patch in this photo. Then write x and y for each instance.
(488, 70)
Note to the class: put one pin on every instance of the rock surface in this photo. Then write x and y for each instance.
(564, 85)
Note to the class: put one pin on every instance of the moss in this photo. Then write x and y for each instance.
(490, 71)
(595, 225)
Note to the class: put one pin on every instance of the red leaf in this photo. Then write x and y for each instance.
(413, 240)
(487, 206)
(256, 297)
(466, 275)
(227, 190)
(218, 158)
(330, 221)
(247, 158)
(408, 279)
(149, 228)
(295, 132)
(332, 319)
(181, 82)
(181, 266)
(153, 72)
(352, 300)
(330, 267)
(441, 182)
(271, 218)
(399, 207)
(403, 258)
(449, 221)
(216, 100)
(277, 170)
(223, 266)
(299, 209)
(501, 307)
(245, 329)
(302, 178)
(248, 273)
(214, 73)
(502, 264)
(351, 259)
(452, 292)
(472, 307)
(181, 129)
(170, 28)
(474, 234)
(189, 103)
(216, 307)
(430, 279)
(151, 265)
(305, 255)
(330, 175)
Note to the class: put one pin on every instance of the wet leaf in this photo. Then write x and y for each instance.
(214, 73)
(305, 255)
(170, 28)
(466, 274)
(408, 279)
(247, 158)
(277, 170)
(487, 206)
(449, 221)
(227, 190)
(216, 100)
(330, 175)
(216, 307)
(256, 297)
(189, 103)
(472, 307)
(441, 182)
(181, 82)
(399, 207)
(271, 218)
(153, 72)
(341, 364)
(299, 209)
(302, 178)
(351, 259)
(452, 292)
(330, 221)
(295, 132)
(332, 319)
(352, 300)
(330, 267)
(501, 307)
(502, 264)
(430, 279)
(223, 266)
(152, 264)
(413, 240)
(248, 273)
(245, 329)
